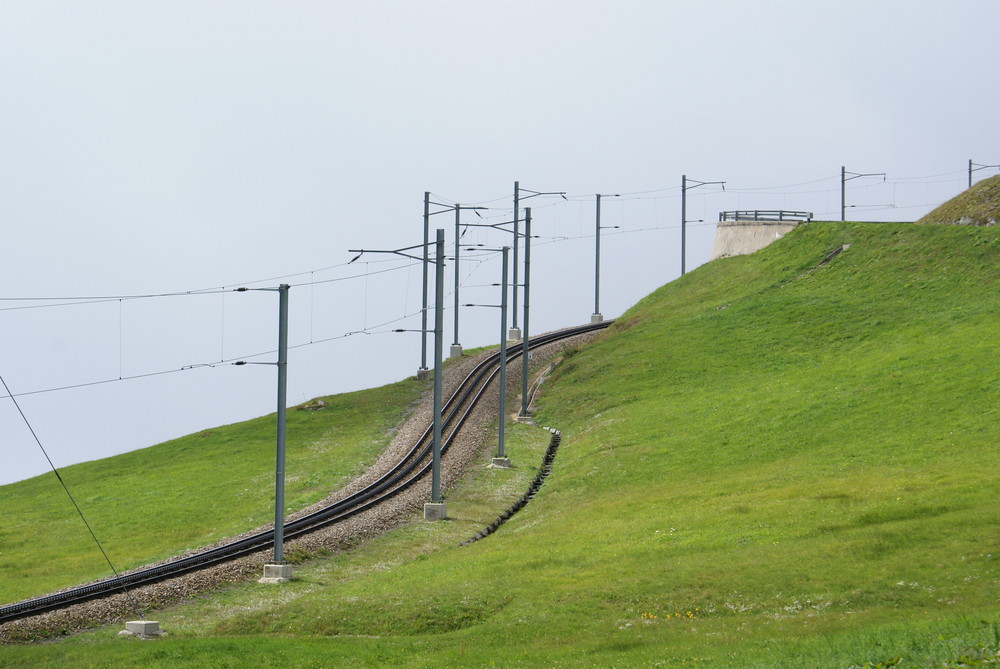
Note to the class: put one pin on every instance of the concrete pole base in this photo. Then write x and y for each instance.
(501, 462)
(526, 418)
(276, 573)
(514, 334)
(423, 374)
(596, 318)
(435, 511)
(142, 628)
(456, 350)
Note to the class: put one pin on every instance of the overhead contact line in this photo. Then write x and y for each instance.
(410, 469)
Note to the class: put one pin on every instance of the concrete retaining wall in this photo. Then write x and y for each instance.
(739, 238)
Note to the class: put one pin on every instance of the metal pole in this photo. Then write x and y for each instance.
(279, 469)
(527, 291)
(683, 220)
(503, 354)
(458, 216)
(597, 261)
(517, 204)
(970, 172)
(438, 343)
(423, 309)
(843, 193)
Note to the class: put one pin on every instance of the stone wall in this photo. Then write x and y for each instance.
(738, 238)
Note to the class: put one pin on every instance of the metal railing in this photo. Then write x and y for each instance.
(765, 215)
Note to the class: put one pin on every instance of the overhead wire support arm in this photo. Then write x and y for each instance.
(856, 175)
(536, 193)
(693, 183)
(515, 332)
(975, 167)
(456, 347)
(452, 207)
(435, 509)
(422, 370)
(398, 252)
(496, 226)
(684, 189)
(844, 178)
(446, 207)
(457, 208)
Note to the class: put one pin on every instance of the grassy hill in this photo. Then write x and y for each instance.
(778, 460)
(190, 492)
(979, 205)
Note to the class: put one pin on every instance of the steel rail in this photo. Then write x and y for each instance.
(400, 477)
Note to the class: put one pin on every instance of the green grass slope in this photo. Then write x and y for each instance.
(190, 492)
(979, 205)
(774, 461)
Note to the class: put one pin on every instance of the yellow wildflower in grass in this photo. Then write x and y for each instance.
(688, 615)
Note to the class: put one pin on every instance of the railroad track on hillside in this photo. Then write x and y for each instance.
(410, 469)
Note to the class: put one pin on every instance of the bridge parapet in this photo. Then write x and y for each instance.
(745, 231)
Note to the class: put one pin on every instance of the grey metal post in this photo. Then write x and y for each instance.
(279, 469)
(975, 167)
(843, 193)
(843, 187)
(423, 309)
(597, 261)
(438, 343)
(517, 198)
(527, 291)
(458, 222)
(683, 220)
(684, 190)
(503, 354)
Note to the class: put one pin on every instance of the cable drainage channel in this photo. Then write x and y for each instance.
(536, 483)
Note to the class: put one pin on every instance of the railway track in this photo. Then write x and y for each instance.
(410, 469)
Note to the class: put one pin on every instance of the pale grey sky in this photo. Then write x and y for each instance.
(164, 146)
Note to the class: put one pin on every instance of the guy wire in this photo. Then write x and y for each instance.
(79, 511)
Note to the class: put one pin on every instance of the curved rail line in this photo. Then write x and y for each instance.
(411, 468)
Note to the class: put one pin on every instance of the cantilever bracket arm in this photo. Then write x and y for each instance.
(697, 183)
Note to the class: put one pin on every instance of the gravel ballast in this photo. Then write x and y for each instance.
(406, 506)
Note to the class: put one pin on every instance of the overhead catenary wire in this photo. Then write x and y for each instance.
(800, 190)
(366, 329)
(370, 330)
(495, 212)
(408, 471)
(59, 301)
(491, 213)
(133, 377)
(555, 202)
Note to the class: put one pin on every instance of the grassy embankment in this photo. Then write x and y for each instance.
(767, 463)
(190, 492)
(979, 205)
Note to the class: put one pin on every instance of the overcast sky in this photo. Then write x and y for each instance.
(162, 147)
